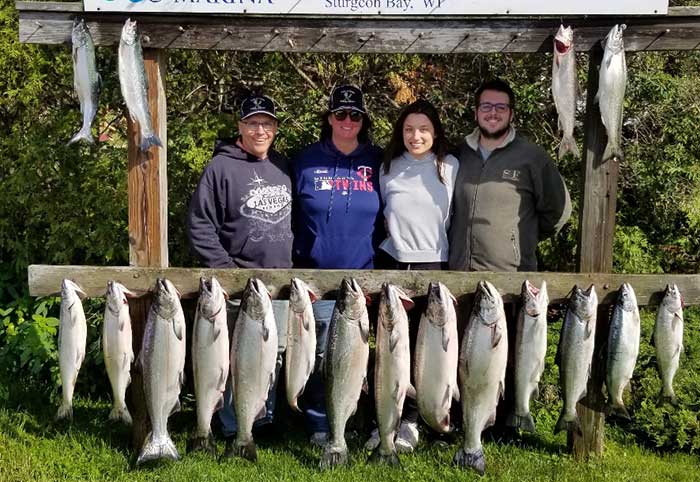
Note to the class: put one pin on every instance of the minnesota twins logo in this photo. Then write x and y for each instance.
(365, 173)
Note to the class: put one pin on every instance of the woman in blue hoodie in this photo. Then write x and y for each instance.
(337, 218)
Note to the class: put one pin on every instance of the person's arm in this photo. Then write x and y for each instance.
(553, 202)
(204, 221)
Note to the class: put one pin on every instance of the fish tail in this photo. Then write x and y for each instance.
(153, 449)
(120, 414)
(523, 422)
(568, 144)
(83, 134)
(202, 444)
(618, 409)
(667, 396)
(612, 149)
(243, 449)
(391, 459)
(334, 457)
(65, 411)
(150, 140)
(567, 423)
(470, 460)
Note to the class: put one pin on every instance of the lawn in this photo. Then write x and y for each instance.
(33, 447)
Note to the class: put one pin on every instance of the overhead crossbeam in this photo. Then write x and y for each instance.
(51, 22)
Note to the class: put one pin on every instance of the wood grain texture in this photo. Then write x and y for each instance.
(46, 280)
(45, 24)
(148, 197)
(596, 238)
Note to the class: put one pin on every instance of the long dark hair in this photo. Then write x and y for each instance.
(396, 147)
(363, 136)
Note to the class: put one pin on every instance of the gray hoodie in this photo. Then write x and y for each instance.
(505, 205)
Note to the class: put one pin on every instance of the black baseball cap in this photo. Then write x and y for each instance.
(257, 104)
(346, 97)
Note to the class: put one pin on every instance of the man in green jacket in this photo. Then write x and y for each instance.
(509, 195)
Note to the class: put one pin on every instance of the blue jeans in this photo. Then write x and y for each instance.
(227, 414)
(313, 400)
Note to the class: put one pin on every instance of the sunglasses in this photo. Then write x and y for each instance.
(341, 115)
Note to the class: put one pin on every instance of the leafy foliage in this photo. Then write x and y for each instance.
(68, 204)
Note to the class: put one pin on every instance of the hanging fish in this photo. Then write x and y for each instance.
(134, 86)
(611, 90)
(86, 79)
(565, 88)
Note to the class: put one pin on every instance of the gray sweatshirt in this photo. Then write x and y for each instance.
(504, 205)
(417, 208)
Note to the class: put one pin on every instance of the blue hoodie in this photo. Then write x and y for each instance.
(337, 219)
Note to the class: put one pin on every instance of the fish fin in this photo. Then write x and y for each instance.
(675, 321)
(501, 390)
(262, 413)
(219, 403)
(365, 386)
(245, 450)
(447, 397)
(445, 339)
(150, 140)
(496, 336)
(153, 451)
(393, 340)
(455, 394)
(619, 410)
(305, 322)
(217, 332)
(83, 135)
(588, 332)
(391, 459)
(364, 331)
(177, 329)
(120, 414)
(65, 411)
(265, 331)
(535, 394)
(612, 150)
(411, 391)
(568, 145)
(667, 398)
(573, 425)
(122, 325)
(221, 384)
(334, 457)
(176, 406)
(523, 422)
(470, 460)
(397, 389)
(125, 361)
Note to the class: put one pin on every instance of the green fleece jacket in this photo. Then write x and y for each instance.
(505, 205)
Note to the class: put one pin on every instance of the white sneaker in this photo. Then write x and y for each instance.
(373, 440)
(407, 439)
(319, 439)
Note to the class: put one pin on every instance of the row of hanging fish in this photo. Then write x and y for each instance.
(610, 95)
(473, 374)
(132, 80)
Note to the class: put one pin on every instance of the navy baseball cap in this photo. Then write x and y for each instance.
(257, 104)
(346, 97)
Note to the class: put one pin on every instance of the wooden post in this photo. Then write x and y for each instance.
(595, 248)
(148, 223)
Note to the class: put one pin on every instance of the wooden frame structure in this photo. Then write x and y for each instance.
(51, 22)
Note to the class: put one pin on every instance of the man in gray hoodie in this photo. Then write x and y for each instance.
(508, 196)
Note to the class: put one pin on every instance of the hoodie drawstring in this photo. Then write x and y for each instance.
(330, 201)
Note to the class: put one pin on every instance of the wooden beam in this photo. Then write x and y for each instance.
(51, 23)
(45, 280)
(148, 226)
(148, 184)
(595, 254)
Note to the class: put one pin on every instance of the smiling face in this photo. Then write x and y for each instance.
(418, 135)
(346, 130)
(257, 134)
(493, 124)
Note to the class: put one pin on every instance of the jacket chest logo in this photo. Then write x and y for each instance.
(511, 175)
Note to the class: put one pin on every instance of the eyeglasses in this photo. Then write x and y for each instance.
(253, 126)
(341, 115)
(488, 107)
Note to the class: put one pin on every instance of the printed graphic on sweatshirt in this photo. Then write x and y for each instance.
(511, 174)
(266, 206)
(344, 184)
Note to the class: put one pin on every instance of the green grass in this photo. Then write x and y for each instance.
(33, 447)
